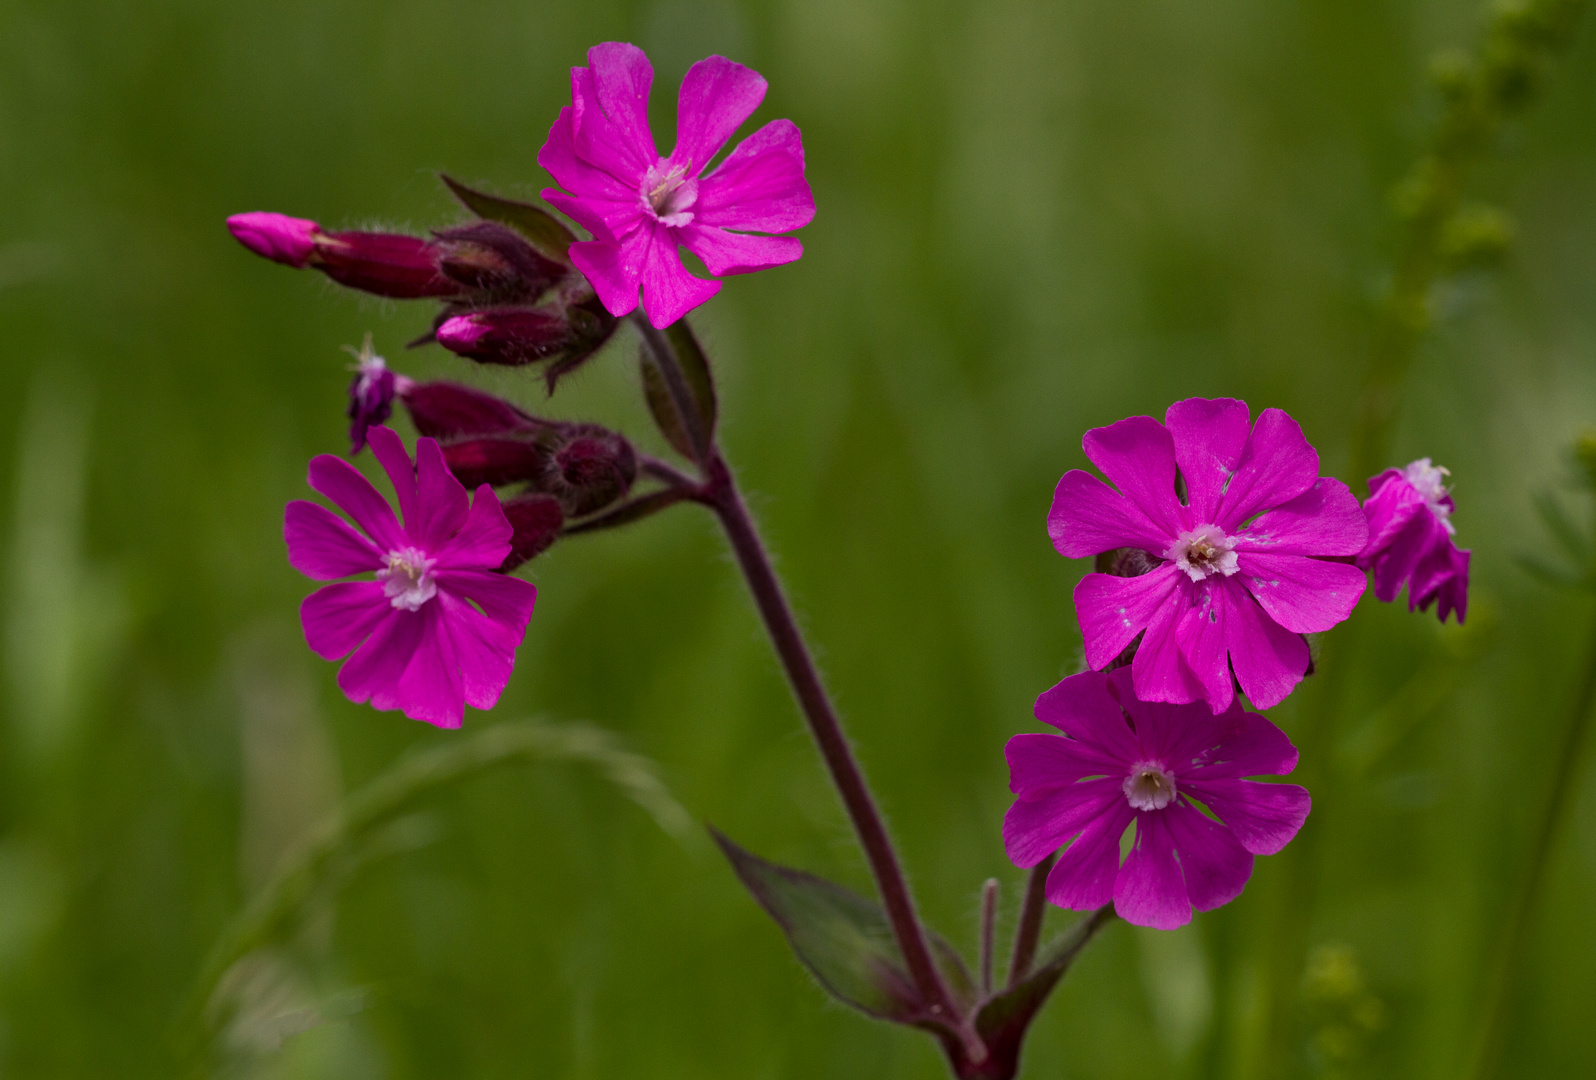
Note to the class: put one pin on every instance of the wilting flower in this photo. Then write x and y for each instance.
(639, 206)
(1123, 760)
(1238, 569)
(371, 394)
(1410, 540)
(419, 644)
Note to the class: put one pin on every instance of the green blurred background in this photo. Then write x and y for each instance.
(1034, 218)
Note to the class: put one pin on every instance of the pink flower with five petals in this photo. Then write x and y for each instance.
(419, 644)
(1240, 570)
(639, 206)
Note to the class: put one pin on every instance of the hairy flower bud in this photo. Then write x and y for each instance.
(509, 336)
(497, 460)
(535, 521)
(386, 264)
(594, 469)
(496, 261)
(446, 410)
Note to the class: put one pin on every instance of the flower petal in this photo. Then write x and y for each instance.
(1039, 763)
(373, 673)
(1209, 436)
(669, 291)
(1160, 672)
(1201, 634)
(338, 618)
(321, 545)
(1324, 520)
(484, 651)
(1035, 828)
(1393, 502)
(615, 270)
(726, 253)
(343, 484)
(1213, 862)
(1263, 817)
(609, 98)
(482, 542)
(441, 503)
(760, 186)
(1138, 456)
(504, 599)
(1306, 596)
(1268, 659)
(1082, 708)
(1239, 743)
(1083, 877)
(607, 219)
(1149, 890)
(592, 187)
(390, 452)
(1276, 466)
(1113, 610)
(1088, 517)
(430, 689)
(716, 97)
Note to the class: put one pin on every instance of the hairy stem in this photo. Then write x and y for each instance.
(989, 902)
(1029, 932)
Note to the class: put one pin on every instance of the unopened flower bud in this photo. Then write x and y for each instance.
(387, 264)
(496, 260)
(595, 469)
(496, 460)
(511, 336)
(371, 394)
(446, 410)
(275, 236)
(535, 521)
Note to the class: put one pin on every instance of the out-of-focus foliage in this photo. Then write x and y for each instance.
(1034, 217)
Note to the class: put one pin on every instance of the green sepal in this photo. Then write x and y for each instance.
(542, 229)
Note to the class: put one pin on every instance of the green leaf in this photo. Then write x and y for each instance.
(843, 939)
(663, 408)
(1002, 1020)
(695, 369)
(541, 228)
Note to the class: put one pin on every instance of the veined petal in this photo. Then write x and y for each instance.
(716, 97)
(373, 673)
(1276, 466)
(390, 452)
(1263, 817)
(1034, 829)
(1113, 610)
(1160, 672)
(760, 187)
(1209, 436)
(1240, 743)
(1202, 636)
(484, 653)
(1268, 659)
(1088, 517)
(1324, 520)
(1083, 877)
(726, 253)
(610, 118)
(441, 504)
(1306, 596)
(583, 180)
(322, 546)
(342, 483)
(504, 599)
(669, 291)
(1149, 890)
(1138, 457)
(1214, 864)
(338, 618)
(430, 689)
(483, 541)
(615, 270)
(1038, 762)
(607, 219)
(1081, 707)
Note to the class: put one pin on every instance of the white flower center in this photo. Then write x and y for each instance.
(668, 194)
(1203, 551)
(1149, 786)
(1427, 481)
(407, 582)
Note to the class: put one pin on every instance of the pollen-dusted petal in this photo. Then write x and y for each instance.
(1039, 762)
(441, 503)
(610, 99)
(1149, 890)
(1202, 634)
(725, 253)
(1209, 435)
(482, 541)
(1239, 743)
(484, 654)
(1138, 457)
(390, 453)
(716, 97)
(1113, 610)
(1263, 817)
(322, 546)
(430, 689)
(1088, 517)
(1276, 466)
(1084, 875)
(615, 270)
(1035, 828)
(336, 619)
(760, 186)
(669, 291)
(586, 181)
(506, 600)
(1213, 862)
(1268, 659)
(1306, 596)
(1324, 520)
(343, 484)
(1080, 706)
(373, 673)
(1160, 672)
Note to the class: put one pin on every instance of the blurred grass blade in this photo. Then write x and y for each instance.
(1558, 576)
(1565, 532)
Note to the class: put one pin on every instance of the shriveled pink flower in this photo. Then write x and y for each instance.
(1239, 570)
(1410, 540)
(371, 394)
(639, 206)
(1122, 761)
(419, 644)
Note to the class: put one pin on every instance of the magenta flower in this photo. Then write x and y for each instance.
(419, 645)
(639, 206)
(1238, 573)
(371, 394)
(1122, 761)
(1410, 540)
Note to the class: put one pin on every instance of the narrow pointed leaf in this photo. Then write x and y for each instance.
(541, 228)
(695, 369)
(663, 408)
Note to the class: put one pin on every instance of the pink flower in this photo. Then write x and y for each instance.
(639, 206)
(419, 645)
(1410, 540)
(1238, 570)
(1122, 760)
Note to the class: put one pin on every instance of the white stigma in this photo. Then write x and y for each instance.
(407, 582)
(1426, 479)
(668, 194)
(1203, 551)
(1149, 786)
